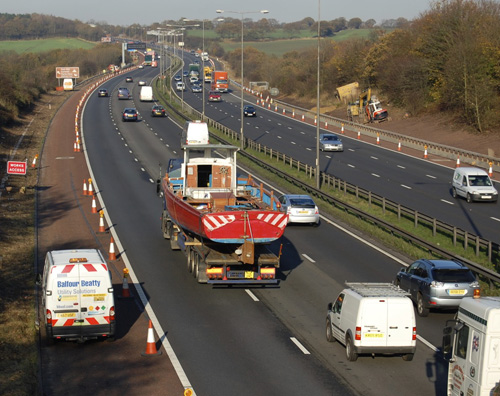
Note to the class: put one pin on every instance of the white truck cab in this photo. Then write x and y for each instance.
(471, 344)
(77, 295)
(373, 318)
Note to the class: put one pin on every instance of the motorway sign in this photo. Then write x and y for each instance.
(68, 72)
(136, 46)
(16, 167)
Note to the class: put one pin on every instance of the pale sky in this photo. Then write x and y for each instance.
(128, 12)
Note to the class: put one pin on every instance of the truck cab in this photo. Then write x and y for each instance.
(471, 344)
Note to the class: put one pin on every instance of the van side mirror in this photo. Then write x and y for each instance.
(38, 279)
(446, 347)
(330, 306)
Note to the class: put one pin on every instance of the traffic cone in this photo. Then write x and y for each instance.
(91, 189)
(378, 139)
(33, 164)
(458, 162)
(112, 254)
(74, 147)
(85, 187)
(342, 130)
(359, 135)
(283, 111)
(94, 206)
(399, 146)
(276, 108)
(125, 289)
(151, 345)
(490, 170)
(425, 151)
(102, 228)
(315, 120)
(293, 113)
(326, 124)
(302, 117)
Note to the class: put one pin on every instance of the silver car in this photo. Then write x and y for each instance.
(300, 208)
(330, 142)
(437, 284)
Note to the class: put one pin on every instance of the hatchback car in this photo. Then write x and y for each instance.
(214, 97)
(196, 88)
(129, 114)
(141, 66)
(193, 80)
(177, 77)
(330, 142)
(437, 284)
(180, 86)
(185, 73)
(300, 208)
(158, 111)
(123, 93)
(103, 93)
(141, 83)
(249, 111)
(129, 79)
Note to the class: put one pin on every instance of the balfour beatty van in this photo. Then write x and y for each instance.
(373, 318)
(78, 295)
(471, 343)
(195, 132)
(68, 84)
(146, 94)
(473, 184)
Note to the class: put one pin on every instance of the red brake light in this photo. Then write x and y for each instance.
(112, 314)
(414, 335)
(357, 336)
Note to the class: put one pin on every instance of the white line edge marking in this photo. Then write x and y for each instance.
(179, 370)
(448, 202)
(252, 296)
(300, 346)
(432, 177)
(401, 166)
(308, 258)
(494, 218)
(405, 186)
(374, 174)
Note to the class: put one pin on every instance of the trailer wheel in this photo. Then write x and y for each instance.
(201, 275)
(194, 265)
(189, 254)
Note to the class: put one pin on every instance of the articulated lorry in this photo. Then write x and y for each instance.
(220, 82)
(471, 344)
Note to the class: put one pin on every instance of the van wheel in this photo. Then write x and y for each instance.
(421, 309)
(408, 357)
(469, 198)
(454, 192)
(352, 356)
(329, 333)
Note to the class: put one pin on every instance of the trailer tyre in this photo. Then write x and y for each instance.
(194, 264)
(189, 254)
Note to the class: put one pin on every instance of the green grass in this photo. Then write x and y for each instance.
(43, 45)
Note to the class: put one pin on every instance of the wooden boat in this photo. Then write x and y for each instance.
(204, 196)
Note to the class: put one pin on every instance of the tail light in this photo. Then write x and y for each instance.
(414, 335)
(477, 293)
(112, 314)
(357, 336)
(48, 315)
(316, 211)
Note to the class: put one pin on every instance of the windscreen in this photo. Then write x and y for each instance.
(458, 276)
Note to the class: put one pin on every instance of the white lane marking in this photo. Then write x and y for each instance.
(308, 258)
(352, 150)
(374, 174)
(300, 346)
(308, 148)
(252, 296)
(494, 218)
(302, 132)
(372, 157)
(328, 156)
(407, 187)
(142, 169)
(432, 177)
(289, 127)
(293, 142)
(401, 166)
(448, 202)
(425, 342)
(279, 137)
(151, 180)
(352, 166)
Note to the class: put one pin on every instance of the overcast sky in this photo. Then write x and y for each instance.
(127, 12)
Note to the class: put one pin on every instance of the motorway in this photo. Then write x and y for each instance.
(272, 340)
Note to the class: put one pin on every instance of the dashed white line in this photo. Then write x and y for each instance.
(302, 132)
(405, 186)
(252, 296)
(308, 148)
(372, 157)
(293, 142)
(494, 218)
(351, 166)
(448, 202)
(374, 174)
(401, 166)
(300, 346)
(432, 177)
(308, 258)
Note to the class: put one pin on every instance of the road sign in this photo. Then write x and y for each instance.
(136, 46)
(16, 168)
(68, 72)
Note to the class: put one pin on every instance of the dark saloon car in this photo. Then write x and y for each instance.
(158, 111)
(249, 111)
(129, 114)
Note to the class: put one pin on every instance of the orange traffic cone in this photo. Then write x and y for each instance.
(91, 189)
(399, 146)
(94, 206)
(125, 289)
(151, 345)
(458, 162)
(85, 187)
(112, 254)
(359, 135)
(102, 228)
(490, 170)
(378, 139)
(342, 130)
(302, 117)
(425, 151)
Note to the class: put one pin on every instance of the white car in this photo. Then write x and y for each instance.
(141, 83)
(180, 86)
(300, 208)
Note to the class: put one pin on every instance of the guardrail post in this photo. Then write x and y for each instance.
(477, 246)
(434, 227)
(416, 219)
(383, 205)
(454, 236)
(466, 240)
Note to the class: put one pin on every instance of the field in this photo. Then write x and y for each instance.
(281, 43)
(42, 45)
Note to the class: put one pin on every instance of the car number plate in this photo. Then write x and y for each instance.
(374, 335)
(303, 211)
(67, 315)
(486, 196)
(456, 292)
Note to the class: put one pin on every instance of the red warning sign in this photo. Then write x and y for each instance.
(16, 167)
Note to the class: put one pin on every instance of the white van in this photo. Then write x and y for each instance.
(373, 318)
(77, 295)
(146, 94)
(195, 132)
(473, 184)
(68, 84)
(471, 344)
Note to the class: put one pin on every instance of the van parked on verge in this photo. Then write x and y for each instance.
(77, 295)
(473, 184)
(195, 132)
(373, 318)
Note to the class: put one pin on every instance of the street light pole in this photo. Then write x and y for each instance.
(242, 13)
(317, 103)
